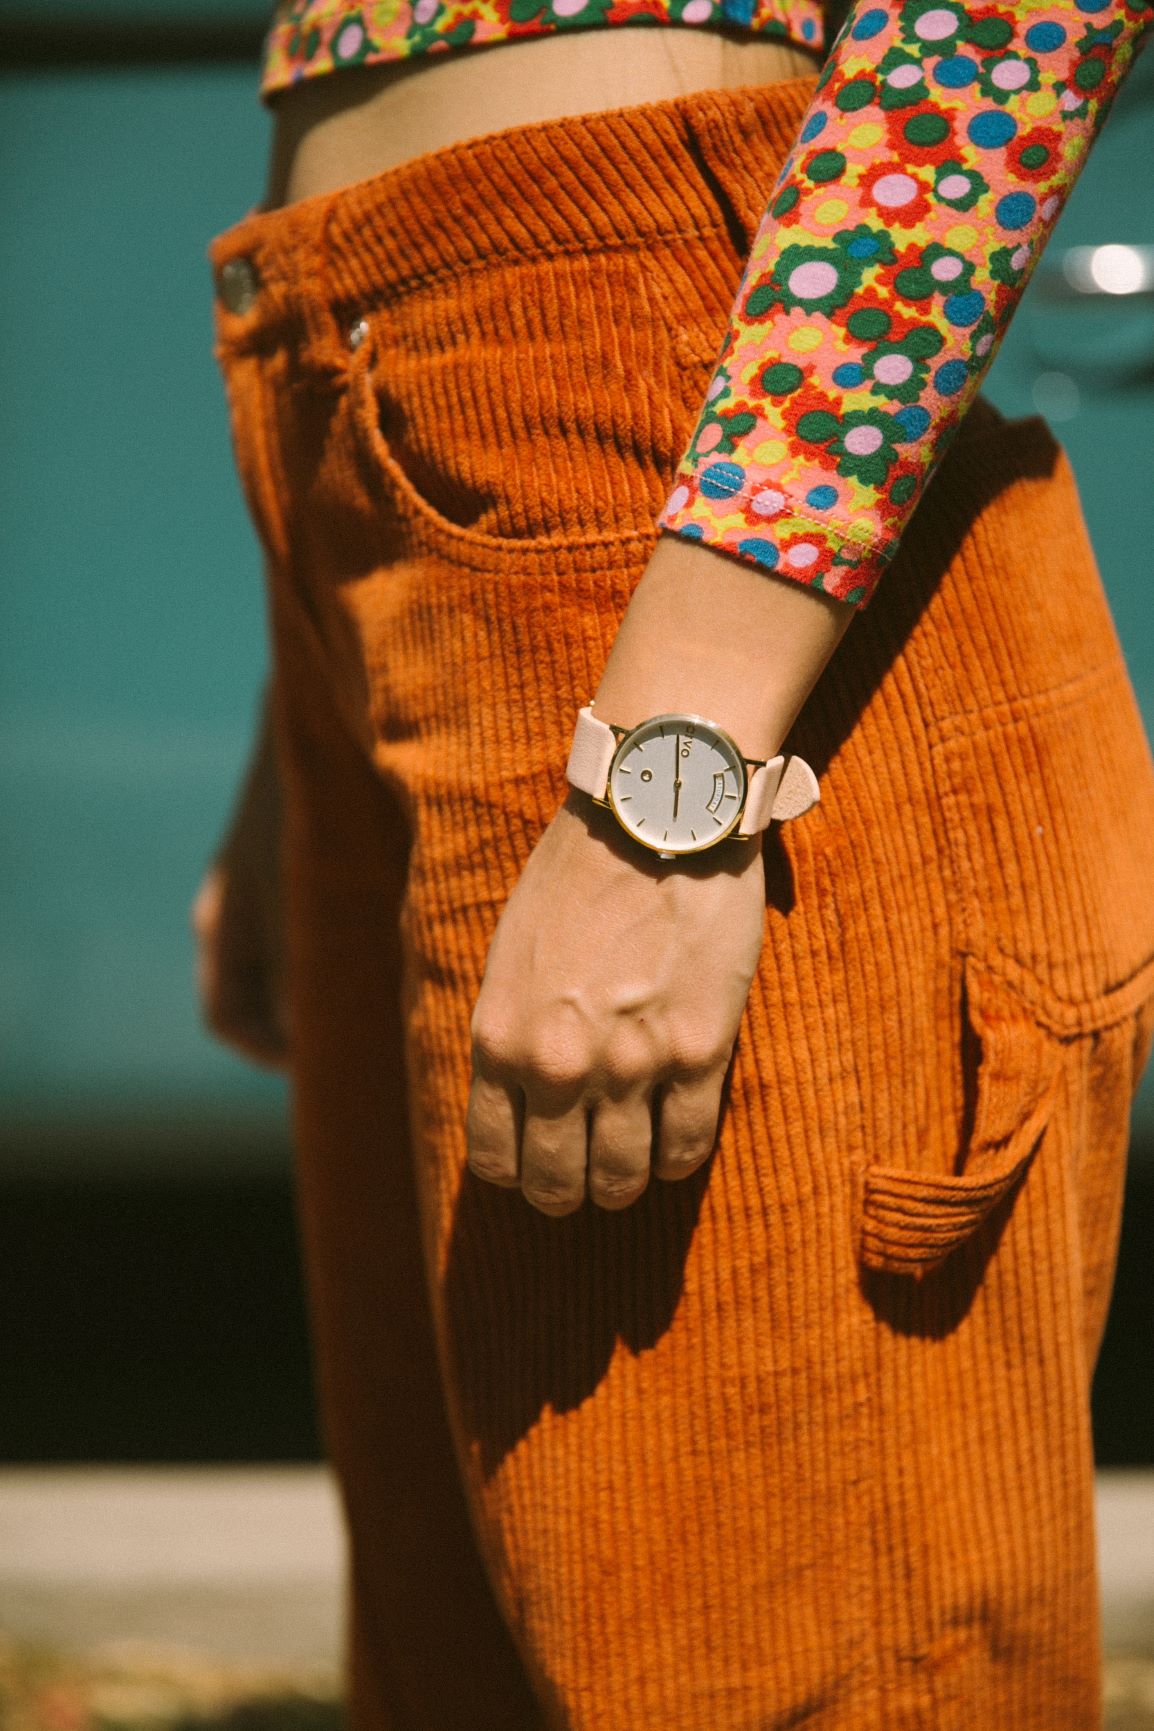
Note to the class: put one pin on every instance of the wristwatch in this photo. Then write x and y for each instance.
(679, 784)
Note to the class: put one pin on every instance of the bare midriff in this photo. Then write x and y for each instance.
(347, 126)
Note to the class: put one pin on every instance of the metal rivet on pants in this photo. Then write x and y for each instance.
(238, 284)
(358, 333)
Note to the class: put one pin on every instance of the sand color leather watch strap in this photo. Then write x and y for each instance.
(782, 788)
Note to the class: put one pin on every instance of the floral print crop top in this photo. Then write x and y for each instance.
(938, 151)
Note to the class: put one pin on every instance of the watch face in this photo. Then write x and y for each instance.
(677, 783)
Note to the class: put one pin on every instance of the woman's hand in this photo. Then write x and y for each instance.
(612, 994)
(615, 981)
(237, 922)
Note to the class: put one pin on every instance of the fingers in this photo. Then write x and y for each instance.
(559, 1141)
(562, 1154)
(687, 1124)
(553, 1157)
(493, 1130)
(620, 1149)
(239, 982)
(557, 1155)
(245, 1010)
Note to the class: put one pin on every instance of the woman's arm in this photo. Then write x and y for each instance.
(940, 147)
(934, 160)
(714, 636)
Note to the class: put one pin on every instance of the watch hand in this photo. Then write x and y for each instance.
(677, 777)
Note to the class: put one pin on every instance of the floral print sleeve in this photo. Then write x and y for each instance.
(938, 151)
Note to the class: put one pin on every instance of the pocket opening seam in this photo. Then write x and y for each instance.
(476, 548)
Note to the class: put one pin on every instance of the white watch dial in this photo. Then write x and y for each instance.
(677, 783)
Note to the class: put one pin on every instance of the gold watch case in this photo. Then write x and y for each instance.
(631, 741)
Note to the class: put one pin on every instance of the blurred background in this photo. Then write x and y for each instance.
(151, 1314)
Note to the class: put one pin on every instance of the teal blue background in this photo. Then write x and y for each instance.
(133, 639)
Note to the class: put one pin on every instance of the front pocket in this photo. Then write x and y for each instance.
(910, 1221)
(533, 406)
(421, 491)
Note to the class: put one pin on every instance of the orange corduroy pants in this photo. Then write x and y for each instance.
(805, 1439)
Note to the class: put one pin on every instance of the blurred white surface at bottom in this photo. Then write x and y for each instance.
(245, 1564)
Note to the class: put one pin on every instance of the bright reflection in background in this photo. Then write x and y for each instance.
(1118, 270)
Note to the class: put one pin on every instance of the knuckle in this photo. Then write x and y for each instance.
(616, 1187)
(551, 1197)
(687, 1142)
(493, 1045)
(490, 1148)
(556, 1067)
(698, 1050)
(207, 896)
(627, 1067)
(545, 1063)
(202, 917)
(679, 1162)
(542, 1161)
(493, 1167)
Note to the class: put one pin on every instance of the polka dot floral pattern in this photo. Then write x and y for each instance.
(308, 37)
(939, 149)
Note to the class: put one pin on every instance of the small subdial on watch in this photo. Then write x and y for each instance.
(677, 783)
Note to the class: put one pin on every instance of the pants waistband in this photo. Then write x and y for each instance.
(622, 177)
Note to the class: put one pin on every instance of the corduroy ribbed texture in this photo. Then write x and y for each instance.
(804, 1439)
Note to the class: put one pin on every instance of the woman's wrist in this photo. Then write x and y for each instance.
(711, 634)
(606, 834)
